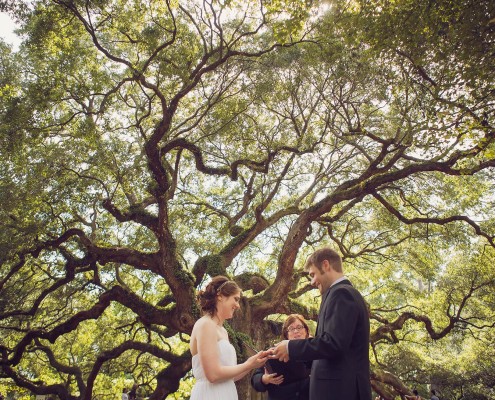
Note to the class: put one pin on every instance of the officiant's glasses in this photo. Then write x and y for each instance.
(295, 328)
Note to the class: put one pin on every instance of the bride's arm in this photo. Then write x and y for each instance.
(206, 338)
(240, 376)
(262, 355)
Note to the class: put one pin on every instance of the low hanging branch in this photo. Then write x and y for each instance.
(430, 220)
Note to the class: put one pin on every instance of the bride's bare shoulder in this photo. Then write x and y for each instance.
(204, 322)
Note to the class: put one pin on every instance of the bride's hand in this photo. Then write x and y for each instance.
(258, 360)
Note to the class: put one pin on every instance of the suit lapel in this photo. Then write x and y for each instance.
(324, 298)
(322, 308)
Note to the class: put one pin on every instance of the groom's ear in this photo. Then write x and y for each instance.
(325, 266)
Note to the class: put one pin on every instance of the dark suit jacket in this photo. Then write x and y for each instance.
(340, 349)
(295, 385)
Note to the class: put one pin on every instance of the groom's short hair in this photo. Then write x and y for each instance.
(321, 255)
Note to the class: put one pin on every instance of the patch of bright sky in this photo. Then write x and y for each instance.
(7, 27)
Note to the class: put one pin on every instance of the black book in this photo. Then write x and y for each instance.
(292, 371)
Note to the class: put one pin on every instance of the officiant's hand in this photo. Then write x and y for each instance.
(280, 351)
(273, 379)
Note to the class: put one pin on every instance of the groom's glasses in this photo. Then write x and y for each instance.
(295, 328)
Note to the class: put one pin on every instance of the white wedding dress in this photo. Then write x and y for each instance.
(203, 388)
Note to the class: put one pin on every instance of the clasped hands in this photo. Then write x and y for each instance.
(280, 351)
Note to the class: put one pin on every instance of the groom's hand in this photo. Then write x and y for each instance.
(281, 351)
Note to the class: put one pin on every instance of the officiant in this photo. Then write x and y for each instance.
(286, 380)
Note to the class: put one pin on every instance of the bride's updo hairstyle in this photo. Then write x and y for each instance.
(219, 285)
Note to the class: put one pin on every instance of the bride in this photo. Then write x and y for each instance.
(214, 360)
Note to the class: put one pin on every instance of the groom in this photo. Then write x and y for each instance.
(340, 349)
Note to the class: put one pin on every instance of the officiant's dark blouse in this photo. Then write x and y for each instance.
(295, 385)
(296, 373)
